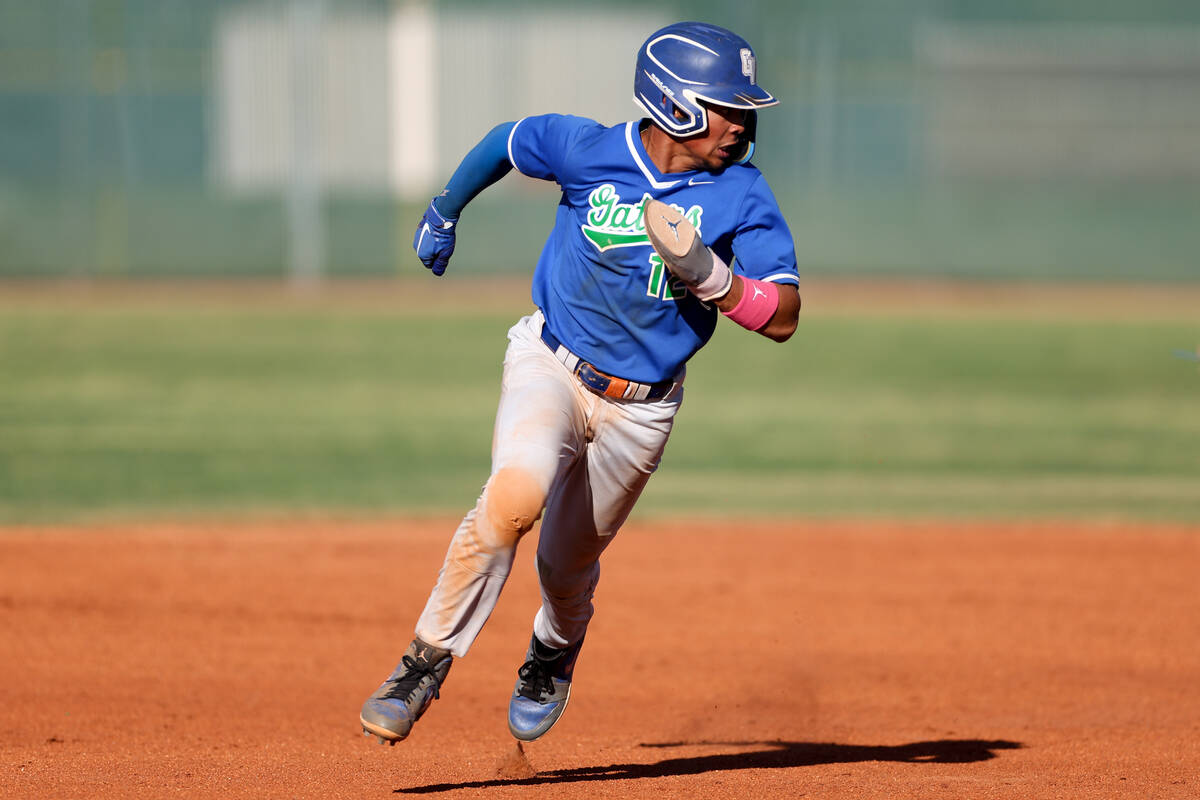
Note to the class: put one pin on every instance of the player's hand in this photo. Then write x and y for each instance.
(434, 239)
(679, 245)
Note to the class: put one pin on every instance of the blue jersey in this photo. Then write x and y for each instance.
(605, 293)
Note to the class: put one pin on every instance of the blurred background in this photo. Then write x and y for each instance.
(299, 138)
(1007, 191)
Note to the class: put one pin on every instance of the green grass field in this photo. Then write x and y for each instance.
(125, 410)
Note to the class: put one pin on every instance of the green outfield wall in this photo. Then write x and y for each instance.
(1029, 139)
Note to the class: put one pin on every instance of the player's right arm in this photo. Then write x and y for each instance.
(486, 163)
(538, 147)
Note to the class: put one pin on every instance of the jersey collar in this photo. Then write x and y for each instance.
(642, 159)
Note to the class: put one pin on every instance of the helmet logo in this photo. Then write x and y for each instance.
(748, 67)
(658, 82)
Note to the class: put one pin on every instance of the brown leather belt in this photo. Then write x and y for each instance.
(601, 382)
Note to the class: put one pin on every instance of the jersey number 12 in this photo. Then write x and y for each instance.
(662, 283)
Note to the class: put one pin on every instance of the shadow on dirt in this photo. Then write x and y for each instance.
(769, 755)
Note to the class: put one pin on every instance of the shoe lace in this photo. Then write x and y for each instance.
(410, 680)
(536, 681)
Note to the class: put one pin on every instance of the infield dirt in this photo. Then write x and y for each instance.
(816, 659)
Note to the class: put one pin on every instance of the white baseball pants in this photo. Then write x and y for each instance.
(558, 448)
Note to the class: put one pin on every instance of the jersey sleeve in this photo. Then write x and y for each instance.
(539, 146)
(763, 242)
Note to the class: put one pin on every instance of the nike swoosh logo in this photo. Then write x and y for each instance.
(694, 182)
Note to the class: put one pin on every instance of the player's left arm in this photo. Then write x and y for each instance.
(764, 296)
(768, 304)
(783, 321)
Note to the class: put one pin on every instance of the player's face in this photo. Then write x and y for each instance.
(722, 142)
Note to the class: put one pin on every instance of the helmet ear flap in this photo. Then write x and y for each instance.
(675, 111)
(748, 137)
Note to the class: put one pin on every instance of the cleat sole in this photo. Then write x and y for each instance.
(383, 734)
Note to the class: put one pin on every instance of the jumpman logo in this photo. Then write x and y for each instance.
(757, 292)
(674, 226)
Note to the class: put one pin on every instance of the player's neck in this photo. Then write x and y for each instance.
(666, 153)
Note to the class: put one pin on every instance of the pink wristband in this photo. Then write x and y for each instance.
(759, 301)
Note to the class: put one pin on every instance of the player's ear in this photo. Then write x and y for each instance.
(668, 105)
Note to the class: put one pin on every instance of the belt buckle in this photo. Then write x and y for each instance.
(601, 382)
(592, 378)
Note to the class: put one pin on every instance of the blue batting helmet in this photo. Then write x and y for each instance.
(689, 62)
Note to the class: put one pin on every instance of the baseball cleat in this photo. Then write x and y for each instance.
(382, 740)
(542, 690)
(400, 701)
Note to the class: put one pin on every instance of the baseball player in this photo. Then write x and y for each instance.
(663, 227)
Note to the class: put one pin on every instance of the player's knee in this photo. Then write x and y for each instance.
(567, 587)
(514, 502)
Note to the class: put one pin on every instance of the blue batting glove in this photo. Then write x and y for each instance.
(434, 239)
